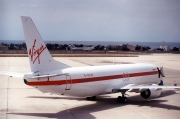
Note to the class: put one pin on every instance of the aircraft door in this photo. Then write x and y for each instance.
(126, 78)
(68, 82)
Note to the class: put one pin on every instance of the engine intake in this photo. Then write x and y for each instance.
(150, 93)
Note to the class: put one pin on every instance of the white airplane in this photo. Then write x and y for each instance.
(51, 76)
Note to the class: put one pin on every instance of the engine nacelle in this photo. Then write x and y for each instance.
(150, 93)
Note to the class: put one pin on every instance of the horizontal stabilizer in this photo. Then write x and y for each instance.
(46, 76)
(12, 74)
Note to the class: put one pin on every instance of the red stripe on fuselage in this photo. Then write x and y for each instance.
(91, 79)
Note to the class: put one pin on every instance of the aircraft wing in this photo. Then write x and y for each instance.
(140, 88)
(12, 74)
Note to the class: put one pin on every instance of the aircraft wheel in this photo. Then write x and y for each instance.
(122, 99)
(119, 99)
(93, 98)
(88, 98)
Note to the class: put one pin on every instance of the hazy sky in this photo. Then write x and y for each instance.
(86, 20)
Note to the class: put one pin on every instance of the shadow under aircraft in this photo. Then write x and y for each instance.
(103, 103)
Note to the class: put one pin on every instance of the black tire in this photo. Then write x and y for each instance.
(93, 98)
(119, 99)
(124, 99)
(88, 98)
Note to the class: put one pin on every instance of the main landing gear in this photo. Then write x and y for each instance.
(122, 99)
(93, 98)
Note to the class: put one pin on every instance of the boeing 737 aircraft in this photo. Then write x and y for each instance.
(51, 76)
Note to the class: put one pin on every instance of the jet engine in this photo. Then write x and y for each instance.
(150, 93)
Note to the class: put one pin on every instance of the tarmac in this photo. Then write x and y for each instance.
(19, 101)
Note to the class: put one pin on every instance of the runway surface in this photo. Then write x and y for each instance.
(19, 101)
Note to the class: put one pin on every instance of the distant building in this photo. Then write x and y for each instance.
(3, 48)
(119, 47)
(85, 48)
(131, 47)
(165, 48)
(111, 47)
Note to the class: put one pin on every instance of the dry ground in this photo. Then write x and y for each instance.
(18, 101)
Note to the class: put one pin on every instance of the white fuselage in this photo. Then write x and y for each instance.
(95, 80)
